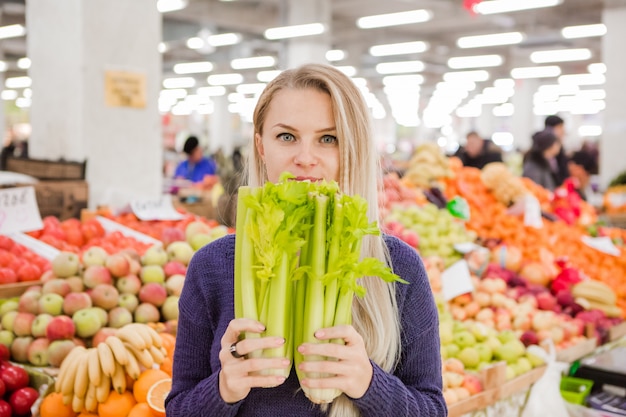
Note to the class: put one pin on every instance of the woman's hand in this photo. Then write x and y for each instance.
(352, 372)
(239, 375)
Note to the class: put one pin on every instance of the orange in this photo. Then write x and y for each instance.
(52, 406)
(87, 414)
(166, 366)
(140, 410)
(146, 379)
(117, 405)
(156, 396)
(169, 343)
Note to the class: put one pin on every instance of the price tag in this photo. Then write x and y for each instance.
(155, 209)
(532, 212)
(456, 280)
(466, 247)
(603, 244)
(19, 211)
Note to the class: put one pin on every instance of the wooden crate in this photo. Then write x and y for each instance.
(47, 170)
(577, 351)
(17, 289)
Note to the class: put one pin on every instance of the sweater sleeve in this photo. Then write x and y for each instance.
(415, 387)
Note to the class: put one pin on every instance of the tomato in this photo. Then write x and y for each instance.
(29, 272)
(22, 400)
(6, 257)
(14, 377)
(7, 276)
(6, 242)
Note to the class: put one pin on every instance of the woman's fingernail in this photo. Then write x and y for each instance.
(280, 341)
(300, 349)
(285, 362)
(261, 327)
(319, 333)
(280, 379)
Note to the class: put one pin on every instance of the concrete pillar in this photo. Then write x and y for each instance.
(221, 132)
(613, 141)
(96, 75)
(308, 49)
(523, 122)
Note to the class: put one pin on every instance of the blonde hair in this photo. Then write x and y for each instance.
(375, 316)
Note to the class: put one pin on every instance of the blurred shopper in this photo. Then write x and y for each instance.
(478, 152)
(581, 167)
(557, 126)
(196, 166)
(538, 164)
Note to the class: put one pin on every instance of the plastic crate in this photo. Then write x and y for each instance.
(575, 390)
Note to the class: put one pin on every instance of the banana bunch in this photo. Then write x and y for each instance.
(87, 376)
(592, 294)
(427, 164)
(506, 187)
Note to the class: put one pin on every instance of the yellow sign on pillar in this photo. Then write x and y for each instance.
(125, 89)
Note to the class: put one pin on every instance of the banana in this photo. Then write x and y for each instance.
(91, 403)
(78, 404)
(129, 336)
(107, 362)
(119, 379)
(81, 378)
(144, 332)
(67, 383)
(594, 290)
(132, 367)
(156, 354)
(67, 399)
(120, 353)
(143, 356)
(93, 367)
(156, 338)
(65, 365)
(102, 390)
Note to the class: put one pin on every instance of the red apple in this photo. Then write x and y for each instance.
(95, 275)
(119, 316)
(105, 296)
(60, 327)
(146, 313)
(153, 293)
(5, 354)
(118, 264)
(38, 352)
(19, 348)
(76, 284)
(14, 377)
(29, 302)
(174, 268)
(22, 400)
(75, 301)
(130, 284)
(23, 324)
(56, 286)
(58, 350)
(102, 334)
(5, 409)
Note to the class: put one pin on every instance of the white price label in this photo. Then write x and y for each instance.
(155, 209)
(532, 212)
(456, 280)
(603, 244)
(19, 211)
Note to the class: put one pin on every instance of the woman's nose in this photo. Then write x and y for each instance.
(305, 155)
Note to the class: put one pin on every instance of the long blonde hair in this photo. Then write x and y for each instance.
(375, 316)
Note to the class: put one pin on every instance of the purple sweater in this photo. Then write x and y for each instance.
(206, 307)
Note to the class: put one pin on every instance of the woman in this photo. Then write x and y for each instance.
(539, 163)
(312, 122)
(196, 166)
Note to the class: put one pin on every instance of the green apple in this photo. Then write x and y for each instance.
(65, 264)
(180, 251)
(534, 359)
(464, 339)
(452, 350)
(510, 372)
(95, 256)
(469, 356)
(38, 328)
(169, 309)
(6, 337)
(154, 255)
(510, 351)
(87, 322)
(152, 273)
(445, 333)
(484, 351)
(523, 365)
(8, 305)
(200, 240)
(493, 342)
(51, 303)
(103, 316)
(8, 320)
(194, 228)
(507, 335)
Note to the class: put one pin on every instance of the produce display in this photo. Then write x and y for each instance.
(18, 263)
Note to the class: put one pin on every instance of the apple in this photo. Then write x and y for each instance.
(119, 317)
(180, 252)
(38, 352)
(8, 305)
(65, 264)
(47, 276)
(5, 355)
(23, 323)
(130, 284)
(76, 284)
(51, 303)
(171, 326)
(464, 339)
(472, 384)
(58, 350)
(218, 232)
(102, 315)
(56, 286)
(155, 255)
(200, 240)
(195, 228)
(105, 296)
(129, 302)
(6, 338)
(39, 325)
(174, 268)
(131, 254)
(19, 349)
(22, 399)
(469, 356)
(94, 256)
(29, 302)
(102, 334)
(8, 320)
(153, 293)
(510, 351)
(118, 264)
(34, 288)
(174, 284)
(95, 275)
(484, 352)
(169, 309)
(75, 301)
(171, 234)
(60, 327)
(146, 313)
(152, 273)
(87, 322)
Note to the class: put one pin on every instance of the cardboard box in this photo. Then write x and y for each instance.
(47, 170)
(63, 199)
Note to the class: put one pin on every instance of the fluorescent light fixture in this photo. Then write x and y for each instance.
(195, 43)
(193, 67)
(469, 111)
(491, 99)
(598, 94)
(294, 31)
(349, 70)
(267, 76)
(536, 72)
(496, 39)
(582, 79)
(162, 48)
(28, 93)
(8, 95)
(597, 68)
(476, 76)
(505, 6)
(504, 83)
(399, 67)
(394, 19)
(504, 110)
(560, 55)
(584, 31)
(456, 85)
(18, 82)
(360, 82)
(179, 82)
(253, 62)
(165, 6)
(253, 88)
(23, 102)
(182, 109)
(235, 97)
(477, 61)
(498, 91)
(559, 89)
(224, 39)
(175, 93)
(3, 66)
(502, 138)
(225, 79)
(399, 48)
(197, 100)
(23, 63)
(212, 91)
(12, 31)
(335, 55)
(403, 81)
(589, 130)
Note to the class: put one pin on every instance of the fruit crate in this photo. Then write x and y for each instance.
(47, 170)
(575, 390)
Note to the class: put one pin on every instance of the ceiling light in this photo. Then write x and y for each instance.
(23, 102)
(349, 70)
(179, 82)
(583, 31)
(591, 94)
(597, 68)
(162, 48)
(12, 31)
(253, 88)
(235, 97)
(560, 55)
(23, 63)
(504, 83)
(399, 67)
(504, 110)
(468, 111)
(254, 62)
(476, 76)
(496, 39)
(224, 39)
(399, 48)
(502, 138)
(536, 72)
(582, 79)
(394, 19)
(505, 6)
(174, 93)
(294, 31)
(460, 84)
(403, 81)
(18, 82)
(477, 61)
(335, 55)
(8, 94)
(590, 130)
(212, 91)
(267, 76)
(559, 89)
(193, 67)
(165, 6)
(3, 66)
(225, 79)
(195, 43)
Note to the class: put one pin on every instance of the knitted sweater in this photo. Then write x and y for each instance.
(206, 307)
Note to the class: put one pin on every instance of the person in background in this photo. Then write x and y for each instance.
(311, 121)
(196, 166)
(581, 167)
(559, 162)
(537, 164)
(478, 152)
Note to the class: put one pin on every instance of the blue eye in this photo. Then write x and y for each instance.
(286, 137)
(328, 139)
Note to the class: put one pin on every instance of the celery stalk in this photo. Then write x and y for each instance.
(242, 211)
(332, 289)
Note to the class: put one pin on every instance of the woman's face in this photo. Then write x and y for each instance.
(553, 150)
(300, 136)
